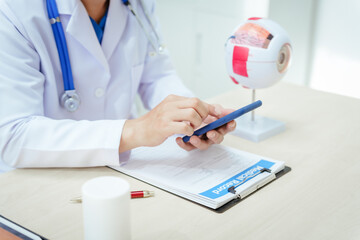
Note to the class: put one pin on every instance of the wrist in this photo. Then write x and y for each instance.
(130, 138)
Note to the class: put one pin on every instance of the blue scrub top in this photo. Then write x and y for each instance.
(99, 28)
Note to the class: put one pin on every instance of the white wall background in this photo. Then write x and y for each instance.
(336, 62)
(324, 33)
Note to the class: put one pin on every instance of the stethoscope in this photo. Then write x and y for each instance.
(70, 100)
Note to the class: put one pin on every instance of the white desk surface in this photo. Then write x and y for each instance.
(318, 199)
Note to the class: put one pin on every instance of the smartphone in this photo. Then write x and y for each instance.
(222, 121)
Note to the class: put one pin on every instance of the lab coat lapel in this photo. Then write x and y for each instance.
(114, 27)
(81, 29)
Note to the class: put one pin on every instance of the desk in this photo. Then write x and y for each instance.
(318, 199)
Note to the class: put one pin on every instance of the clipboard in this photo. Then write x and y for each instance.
(203, 177)
(260, 185)
(230, 204)
(12, 230)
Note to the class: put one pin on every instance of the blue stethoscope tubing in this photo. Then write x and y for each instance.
(70, 100)
(61, 45)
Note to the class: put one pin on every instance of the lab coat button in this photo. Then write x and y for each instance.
(99, 92)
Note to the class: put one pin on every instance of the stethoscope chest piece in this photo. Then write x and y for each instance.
(70, 100)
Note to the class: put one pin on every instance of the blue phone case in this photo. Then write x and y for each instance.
(225, 119)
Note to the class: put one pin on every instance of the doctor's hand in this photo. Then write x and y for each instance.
(174, 115)
(215, 136)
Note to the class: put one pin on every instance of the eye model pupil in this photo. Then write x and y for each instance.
(281, 58)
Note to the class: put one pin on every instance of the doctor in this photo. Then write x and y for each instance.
(45, 122)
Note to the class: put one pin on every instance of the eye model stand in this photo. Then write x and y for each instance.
(257, 128)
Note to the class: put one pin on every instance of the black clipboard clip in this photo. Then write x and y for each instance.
(232, 189)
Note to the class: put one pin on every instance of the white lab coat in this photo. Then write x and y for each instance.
(35, 131)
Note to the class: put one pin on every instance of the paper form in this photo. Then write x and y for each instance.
(192, 174)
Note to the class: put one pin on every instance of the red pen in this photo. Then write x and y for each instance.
(133, 194)
(142, 194)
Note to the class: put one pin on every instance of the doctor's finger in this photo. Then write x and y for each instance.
(222, 111)
(229, 127)
(201, 107)
(188, 114)
(215, 111)
(215, 136)
(199, 143)
(180, 128)
(210, 119)
(185, 146)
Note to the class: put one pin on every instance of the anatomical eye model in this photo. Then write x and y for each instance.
(258, 54)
